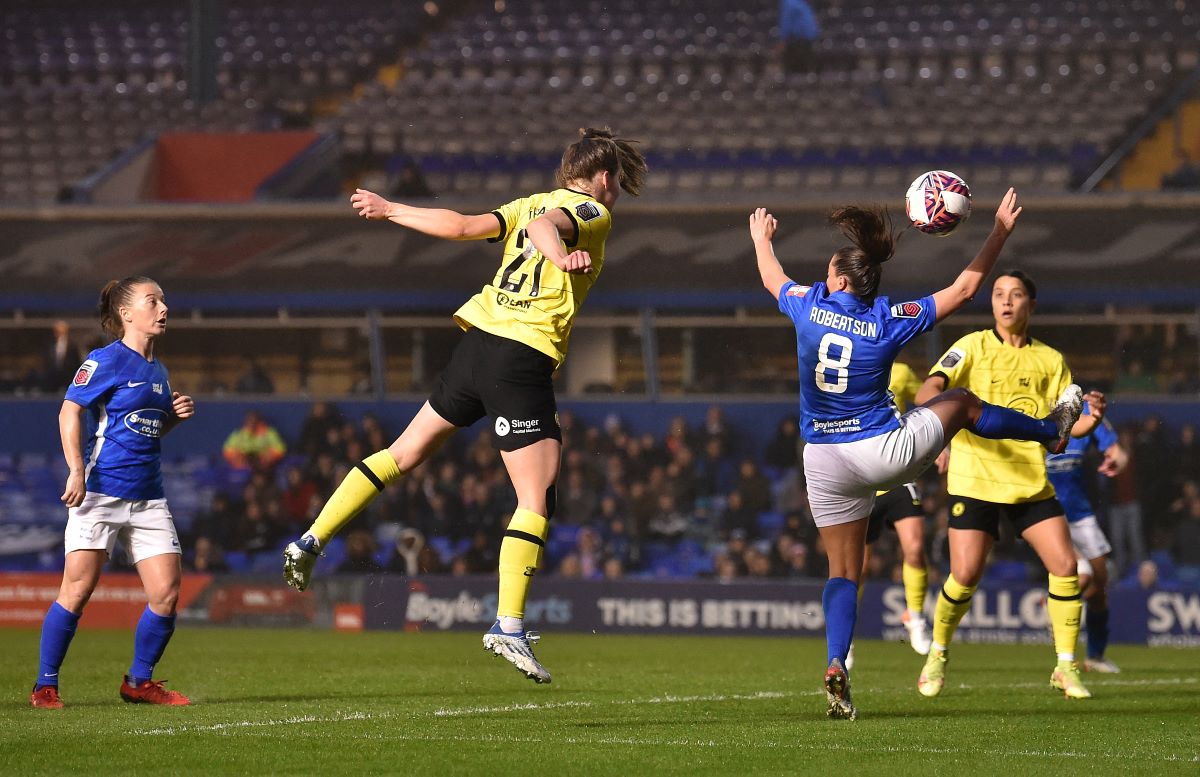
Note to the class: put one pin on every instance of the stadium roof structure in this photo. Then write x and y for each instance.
(1101, 250)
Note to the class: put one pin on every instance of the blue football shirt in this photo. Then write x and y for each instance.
(845, 348)
(1065, 470)
(129, 402)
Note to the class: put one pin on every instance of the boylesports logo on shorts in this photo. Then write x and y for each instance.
(504, 426)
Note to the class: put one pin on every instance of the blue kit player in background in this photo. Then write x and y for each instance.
(117, 408)
(858, 443)
(1066, 474)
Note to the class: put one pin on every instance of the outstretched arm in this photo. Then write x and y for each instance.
(762, 230)
(438, 222)
(970, 280)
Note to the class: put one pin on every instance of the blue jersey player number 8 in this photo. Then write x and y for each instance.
(847, 337)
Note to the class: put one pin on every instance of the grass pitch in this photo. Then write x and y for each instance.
(307, 702)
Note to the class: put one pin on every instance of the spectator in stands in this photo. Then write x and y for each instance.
(410, 558)
(1134, 379)
(254, 379)
(667, 522)
(1186, 454)
(737, 517)
(1126, 532)
(613, 569)
(481, 555)
(783, 451)
(577, 501)
(207, 557)
(360, 555)
(716, 427)
(754, 487)
(61, 360)
(217, 522)
(798, 32)
(1187, 544)
(254, 533)
(1147, 575)
(617, 542)
(296, 500)
(255, 445)
(1155, 457)
(569, 566)
(590, 549)
(314, 434)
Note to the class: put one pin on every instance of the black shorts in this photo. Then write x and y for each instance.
(507, 381)
(968, 513)
(896, 505)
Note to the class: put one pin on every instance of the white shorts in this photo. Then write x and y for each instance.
(144, 527)
(1088, 538)
(843, 477)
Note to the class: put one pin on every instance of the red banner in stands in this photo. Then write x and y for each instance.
(117, 602)
(216, 167)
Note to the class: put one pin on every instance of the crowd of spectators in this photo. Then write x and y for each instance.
(695, 501)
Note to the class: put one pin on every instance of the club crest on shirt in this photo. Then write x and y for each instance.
(798, 291)
(952, 358)
(83, 375)
(587, 211)
(906, 310)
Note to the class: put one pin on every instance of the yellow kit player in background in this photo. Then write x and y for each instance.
(900, 508)
(515, 337)
(993, 479)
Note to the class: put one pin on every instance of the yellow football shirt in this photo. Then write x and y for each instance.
(530, 299)
(1028, 379)
(904, 385)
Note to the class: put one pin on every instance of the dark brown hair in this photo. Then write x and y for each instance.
(113, 297)
(1026, 281)
(599, 150)
(869, 229)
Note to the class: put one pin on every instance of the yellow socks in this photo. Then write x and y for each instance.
(357, 491)
(1064, 605)
(520, 556)
(952, 605)
(916, 583)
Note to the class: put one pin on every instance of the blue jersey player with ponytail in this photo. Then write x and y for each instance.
(117, 409)
(847, 337)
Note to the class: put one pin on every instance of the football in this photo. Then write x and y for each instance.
(937, 202)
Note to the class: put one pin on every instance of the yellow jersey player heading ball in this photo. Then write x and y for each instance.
(515, 336)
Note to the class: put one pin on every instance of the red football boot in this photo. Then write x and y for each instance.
(45, 698)
(151, 692)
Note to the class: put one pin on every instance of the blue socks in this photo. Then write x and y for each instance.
(1097, 632)
(149, 641)
(840, 602)
(57, 630)
(1001, 423)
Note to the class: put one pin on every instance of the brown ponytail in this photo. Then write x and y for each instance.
(114, 296)
(870, 231)
(599, 150)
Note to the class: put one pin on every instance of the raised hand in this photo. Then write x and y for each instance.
(762, 225)
(1007, 213)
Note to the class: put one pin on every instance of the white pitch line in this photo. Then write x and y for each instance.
(293, 721)
(453, 712)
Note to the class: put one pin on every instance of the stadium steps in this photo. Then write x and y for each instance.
(1155, 156)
